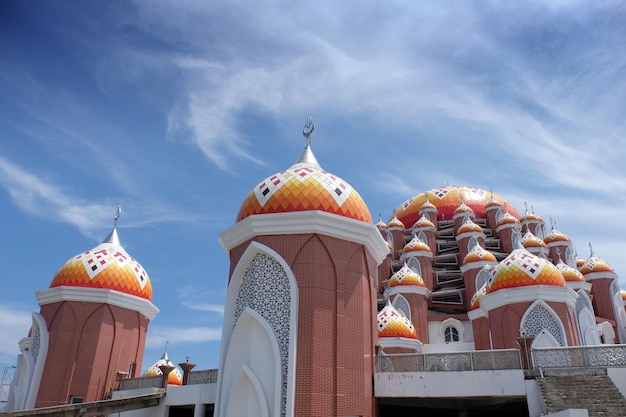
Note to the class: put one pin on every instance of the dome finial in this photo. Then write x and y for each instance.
(517, 237)
(526, 207)
(309, 127)
(117, 215)
(591, 250)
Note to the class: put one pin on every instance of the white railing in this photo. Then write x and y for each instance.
(451, 361)
(600, 356)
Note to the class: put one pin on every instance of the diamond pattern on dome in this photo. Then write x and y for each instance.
(478, 253)
(521, 268)
(107, 266)
(469, 226)
(446, 200)
(570, 274)
(406, 276)
(555, 236)
(423, 222)
(416, 244)
(530, 240)
(302, 188)
(595, 264)
(475, 302)
(175, 377)
(393, 324)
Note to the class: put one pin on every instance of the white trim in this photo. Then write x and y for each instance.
(400, 342)
(578, 285)
(470, 234)
(508, 296)
(44, 341)
(97, 295)
(258, 389)
(476, 265)
(555, 243)
(599, 275)
(410, 289)
(303, 222)
(455, 323)
(416, 253)
(505, 226)
(229, 315)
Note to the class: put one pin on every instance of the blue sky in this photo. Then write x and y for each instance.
(176, 110)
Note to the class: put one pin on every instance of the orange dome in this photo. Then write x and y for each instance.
(302, 187)
(595, 264)
(463, 208)
(447, 199)
(570, 274)
(475, 302)
(395, 222)
(393, 324)
(416, 244)
(175, 377)
(406, 276)
(469, 226)
(531, 241)
(555, 236)
(424, 222)
(507, 218)
(106, 266)
(521, 268)
(477, 254)
(623, 292)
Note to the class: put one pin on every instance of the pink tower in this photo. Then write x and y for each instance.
(91, 329)
(300, 322)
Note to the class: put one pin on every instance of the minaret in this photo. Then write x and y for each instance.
(300, 317)
(92, 325)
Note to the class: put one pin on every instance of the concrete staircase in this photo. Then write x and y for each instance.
(591, 389)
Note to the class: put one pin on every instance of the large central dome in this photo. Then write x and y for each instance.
(446, 199)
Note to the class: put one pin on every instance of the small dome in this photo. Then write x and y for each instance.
(579, 262)
(623, 293)
(507, 218)
(570, 274)
(595, 264)
(463, 208)
(305, 186)
(107, 266)
(446, 200)
(427, 206)
(423, 223)
(389, 245)
(406, 276)
(395, 222)
(529, 240)
(477, 254)
(416, 244)
(391, 323)
(521, 268)
(174, 378)
(475, 302)
(469, 226)
(528, 216)
(493, 202)
(555, 236)
(381, 225)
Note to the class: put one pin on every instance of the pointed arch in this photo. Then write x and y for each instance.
(263, 292)
(415, 265)
(482, 278)
(422, 236)
(499, 214)
(585, 320)
(620, 315)
(544, 339)
(451, 330)
(539, 317)
(471, 243)
(390, 241)
(247, 397)
(402, 305)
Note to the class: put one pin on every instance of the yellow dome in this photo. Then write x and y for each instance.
(595, 264)
(570, 274)
(531, 241)
(521, 268)
(555, 236)
(477, 254)
(175, 377)
(406, 276)
(469, 226)
(106, 266)
(305, 186)
(416, 244)
(393, 324)
(423, 222)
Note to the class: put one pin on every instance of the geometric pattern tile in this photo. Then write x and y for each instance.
(556, 236)
(303, 188)
(394, 324)
(475, 303)
(447, 199)
(477, 254)
(570, 274)
(521, 268)
(595, 264)
(106, 266)
(416, 244)
(406, 276)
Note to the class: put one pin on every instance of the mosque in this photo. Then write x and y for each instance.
(458, 305)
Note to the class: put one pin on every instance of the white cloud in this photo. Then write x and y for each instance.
(14, 325)
(159, 336)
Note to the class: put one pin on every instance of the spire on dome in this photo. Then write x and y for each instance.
(517, 237)
(591, 254)
(113, 238)
(307, 156)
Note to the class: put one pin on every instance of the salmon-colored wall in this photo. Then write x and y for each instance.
(88, 344)
(601, 298)
(337, 328)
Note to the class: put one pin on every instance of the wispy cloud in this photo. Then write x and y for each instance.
(159, 336)
(195, 299)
